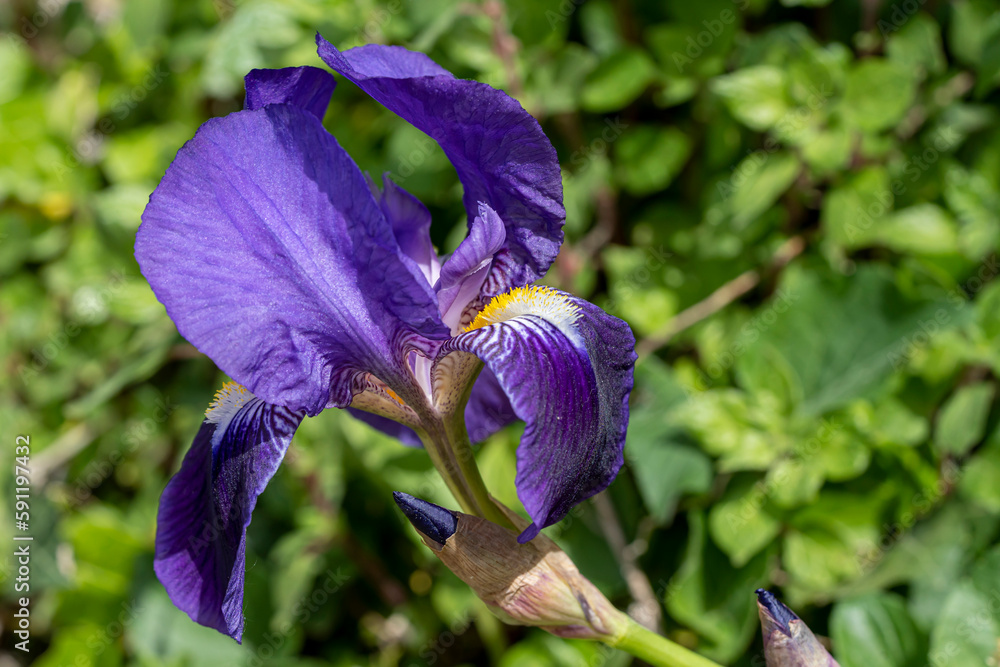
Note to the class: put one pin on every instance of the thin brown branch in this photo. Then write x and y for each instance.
(720, 298)
(62, 451)
(505, 45)
(646, 608)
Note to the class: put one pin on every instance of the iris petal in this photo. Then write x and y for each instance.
(272, 257)
(499, 151)
(488, 409)
(462, 276)
(411, 225)
(566, 366)
(206, 507)
(307, 87)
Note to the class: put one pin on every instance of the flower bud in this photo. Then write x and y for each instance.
(788, 642)
(523, 584)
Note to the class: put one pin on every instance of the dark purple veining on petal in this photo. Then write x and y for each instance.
(309, 88)
(206, 507)
(272, 257)
(499, 150)
(571, 388)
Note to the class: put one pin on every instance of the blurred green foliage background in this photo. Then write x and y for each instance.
(795, 205)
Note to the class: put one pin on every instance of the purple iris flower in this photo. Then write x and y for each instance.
(312, 287)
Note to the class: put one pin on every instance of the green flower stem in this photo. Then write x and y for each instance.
(657, 650)
(447, 443)
(447, 466)
(461, 448)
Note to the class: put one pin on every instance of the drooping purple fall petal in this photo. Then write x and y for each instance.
(307, 87)
(566, 366)
(499, 151)
(272, 257)
(205, 509)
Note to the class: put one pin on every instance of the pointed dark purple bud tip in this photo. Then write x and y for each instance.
(432, 520)
(778, 611)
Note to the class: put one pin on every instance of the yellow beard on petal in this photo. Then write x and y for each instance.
(227, 402)
(537, 300)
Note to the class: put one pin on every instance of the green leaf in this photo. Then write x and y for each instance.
(740, 524)
(877, 94)
(711, 597)
(759, 181)
(918, 43)
(975, 202)
(650, 157)
(665, 461)
(556, 84)
(617, 81)
(827, 150)
(794, 482)
(163, 634)
(922, 229)
(841, 455)
(877, 330)
(967, 29)
(980, 481)
(84, 642)
(893, 422)
(730, 427)
(876, 631)
(962, 421)
(755, 96)
(966, 632)
(853, 211)
(826, 541)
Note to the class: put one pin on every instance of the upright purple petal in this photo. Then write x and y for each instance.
(462, 276)
(499, 151)
(307, 87)
(566, 366)
(206, 507)
(272, 257)
(411, 225)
